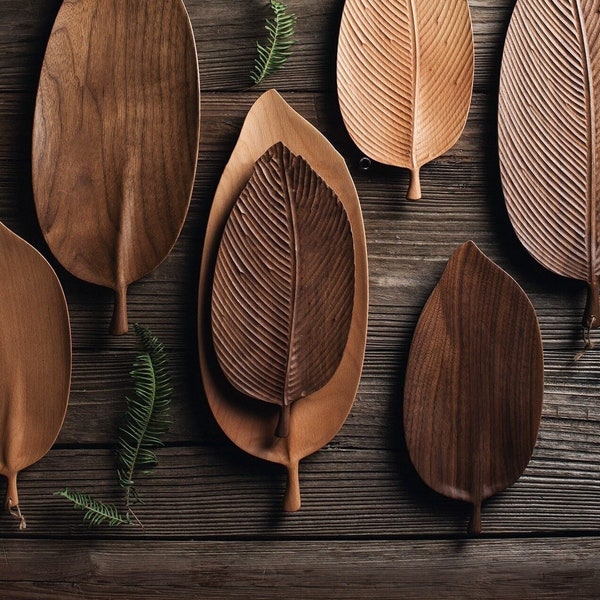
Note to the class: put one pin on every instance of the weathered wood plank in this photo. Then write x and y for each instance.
(218, 492)
(226, 35)
(243, 570)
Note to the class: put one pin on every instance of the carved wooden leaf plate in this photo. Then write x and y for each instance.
(283, 285)
(405, 78)
(316, 417)
(475, 382)
(115, 138)
(35, 359)
(549, 131)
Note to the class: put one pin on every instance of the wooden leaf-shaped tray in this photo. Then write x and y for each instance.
(549, 132)
(35, 359)
(115, 138)
(300, 167)
(405, 78)
(284, 284)
(475, 382)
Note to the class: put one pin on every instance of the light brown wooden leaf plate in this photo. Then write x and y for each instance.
(35, 359)
(115, 138)
(309, 388)
(549, 132)
(475, 382)
(405, 78)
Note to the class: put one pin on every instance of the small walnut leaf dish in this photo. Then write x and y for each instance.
(405, 78)
(474, 383)
(549, 132)
(115, 139)
(283, 294)
(35, 360)
(283, 285)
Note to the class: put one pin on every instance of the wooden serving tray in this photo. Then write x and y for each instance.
(115, 138)
(315, 419)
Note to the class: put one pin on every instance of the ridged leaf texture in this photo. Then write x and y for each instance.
(549, 131)
(274, 54)
(474, 382)
(284, 282)
(148, 412)
(405, 78)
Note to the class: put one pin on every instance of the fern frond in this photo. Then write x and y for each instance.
(148, 413)
(273, 55)
(96, 512)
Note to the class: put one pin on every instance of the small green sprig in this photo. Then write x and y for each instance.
(272, 56)
(146, 421)
(96, 512)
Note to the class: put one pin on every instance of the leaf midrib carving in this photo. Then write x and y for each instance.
(591, 127)
(294, 234)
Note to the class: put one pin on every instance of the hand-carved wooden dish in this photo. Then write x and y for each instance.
(549, 131)
(115, 138)
(322, 386)
(405, 78)
(475, 382)
(284, 284)
(35, 360)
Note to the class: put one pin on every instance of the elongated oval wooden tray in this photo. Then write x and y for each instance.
(115, 138)
(474, 383)
(35, 359)
(316, 418)
(549, 134)
(405, 78)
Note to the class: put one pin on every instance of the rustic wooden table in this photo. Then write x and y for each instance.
(213, 525)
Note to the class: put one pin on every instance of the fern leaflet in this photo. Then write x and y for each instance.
(96, 512)
(147, 419)
(273, 55)
(148, 413)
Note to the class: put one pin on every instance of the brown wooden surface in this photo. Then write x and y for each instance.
(368, 527)
(474, 382)
(115, 139)
(405, 79)
(315, 419)
(548, 154)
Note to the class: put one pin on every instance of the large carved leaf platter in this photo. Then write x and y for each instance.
(35, 359)
(315, 394)
(115, 138)
(405, 78)
(474, 383)
(549, 134)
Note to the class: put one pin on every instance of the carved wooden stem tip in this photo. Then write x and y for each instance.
(414, 189)
(475, 522)
(292, 502)
(119, 325)
(591, 317)
(283, 426)
(12, 501)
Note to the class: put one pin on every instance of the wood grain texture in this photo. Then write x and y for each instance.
(314, 418)
(313, 569)
(405, 78)
(474, 382)
(283, 285)
(211, 509)
(549, 126)
(115, 138)
(35, 360)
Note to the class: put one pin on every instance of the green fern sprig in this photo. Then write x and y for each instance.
(273, 55)
(147, 419)
(148, 413)
(96, 512)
